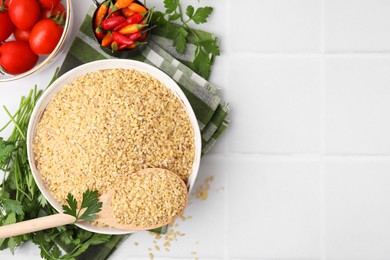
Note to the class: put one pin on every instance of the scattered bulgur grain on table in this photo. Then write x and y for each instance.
(106, 125)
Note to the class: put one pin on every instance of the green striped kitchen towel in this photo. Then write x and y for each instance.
(203, 96)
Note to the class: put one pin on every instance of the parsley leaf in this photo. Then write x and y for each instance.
(201, 14)
(11, 206)
(190, 11)
(202, 62)
(181, 36)
(174, 17)
(71, 208)
(90, 205)
(171, 5)
(180, 40)
(42, 200)
(6, 149)
(211, 46)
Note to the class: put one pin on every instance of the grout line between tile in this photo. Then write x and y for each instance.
(322, 136)
(226, 148)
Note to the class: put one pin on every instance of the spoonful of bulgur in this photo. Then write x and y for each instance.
(148, 199)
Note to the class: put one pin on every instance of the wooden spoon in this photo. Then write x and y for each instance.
(105, 216)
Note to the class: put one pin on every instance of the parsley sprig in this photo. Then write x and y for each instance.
(205, 47)
(90, 205)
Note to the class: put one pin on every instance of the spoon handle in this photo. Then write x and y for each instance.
(37, 224)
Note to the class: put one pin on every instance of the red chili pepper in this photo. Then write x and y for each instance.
(114, 14)
(122, 47)
(134, 36)
(99, 33)
(121, 39)
(135, 18)
(112, 22)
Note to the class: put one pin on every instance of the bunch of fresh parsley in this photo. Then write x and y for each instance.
(20, 198)
(205, 48)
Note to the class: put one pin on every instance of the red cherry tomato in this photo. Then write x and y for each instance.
(44, 36)
(6, 27)
(53, 12)
(16, 57)
(22, 35)
(24, 13)
(49, 4)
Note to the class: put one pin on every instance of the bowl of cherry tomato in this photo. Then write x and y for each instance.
(32, 33)
(121, 27)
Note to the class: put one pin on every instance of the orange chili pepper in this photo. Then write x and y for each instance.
(132, 28)
(127, 12)
(123, 3)
(100, 13)
(107, 39)
(137, 8)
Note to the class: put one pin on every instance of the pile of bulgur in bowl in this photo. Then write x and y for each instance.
(103, 121)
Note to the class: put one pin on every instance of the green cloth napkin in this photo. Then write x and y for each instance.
(203, 96)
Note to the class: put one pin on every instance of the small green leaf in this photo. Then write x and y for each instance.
(171, 5)
(11, 219)
(92, 205)
(202, 62)
(201, 14)
(6, 149)
(71, 208)
(174, 17)
(55, 251)
(190, 11)
(11, 206)
(159, 18)
(180, 40)
(211, 46)
(97, 239)
(12, 244)
(42, 200)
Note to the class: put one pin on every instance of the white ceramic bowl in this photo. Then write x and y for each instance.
(44, 60)
(95, 66)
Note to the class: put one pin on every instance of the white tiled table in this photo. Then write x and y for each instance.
(306, 161)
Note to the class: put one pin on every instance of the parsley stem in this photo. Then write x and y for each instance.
(185, 23)
(16, 123)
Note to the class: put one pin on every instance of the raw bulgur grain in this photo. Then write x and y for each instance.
(106, 125)
(150, 198)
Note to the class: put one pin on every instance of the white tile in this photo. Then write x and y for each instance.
(274, 209)
(204, 233)
(275, 105)
(357, 213)
(277, 25)
(357, 25)
(357, 105)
